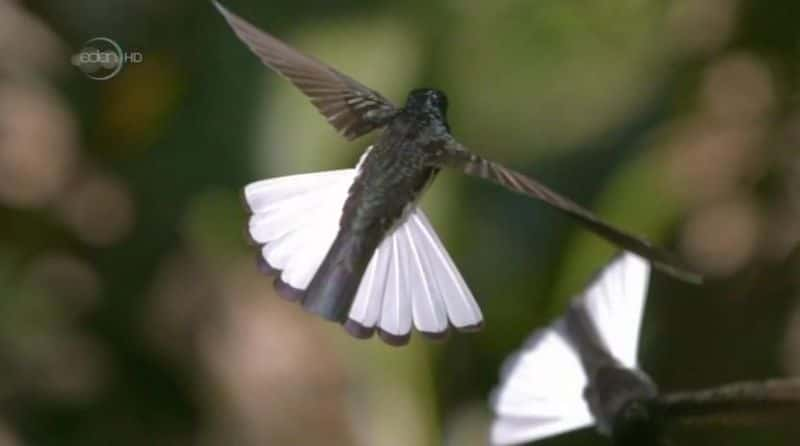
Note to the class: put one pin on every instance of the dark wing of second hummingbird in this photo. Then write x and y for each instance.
(352, 108)
(459, 157)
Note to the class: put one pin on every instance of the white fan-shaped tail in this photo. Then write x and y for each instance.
(413, 281)
(410, 281)
(615, 301)
(541, 393)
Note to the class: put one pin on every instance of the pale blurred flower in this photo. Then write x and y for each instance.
(275, 371)
(716, 159)
(269, 370)
(37, 132)
(721, 238)
(707, 162)
(738, 88)
(37, 145)
(26, 43)
(720, 148)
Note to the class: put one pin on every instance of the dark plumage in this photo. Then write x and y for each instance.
(394, 174)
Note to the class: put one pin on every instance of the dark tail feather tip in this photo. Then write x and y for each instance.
(287, 291)
(248, 238)
(436, 336)
(394, 340)
(264, 267)
(357, 330)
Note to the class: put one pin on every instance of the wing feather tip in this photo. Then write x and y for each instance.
(680, 273)
(218, 5)
(393, 339)
(357, 330)
(226, 14)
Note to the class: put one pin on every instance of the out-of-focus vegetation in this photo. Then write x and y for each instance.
(131, 312)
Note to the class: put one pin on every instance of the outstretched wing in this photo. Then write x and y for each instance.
(349, 106)
(458, 157)
(541, 393)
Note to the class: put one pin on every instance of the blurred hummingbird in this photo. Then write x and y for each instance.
(351, 244)
(583, 370)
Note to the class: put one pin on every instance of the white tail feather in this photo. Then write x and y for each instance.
(462, 309)
(396, 314)
(296, 218)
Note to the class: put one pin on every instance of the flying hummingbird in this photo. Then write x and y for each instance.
(583, 370)
(351, 244)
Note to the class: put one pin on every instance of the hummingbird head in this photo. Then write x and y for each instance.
(427, 101)
(620, 399)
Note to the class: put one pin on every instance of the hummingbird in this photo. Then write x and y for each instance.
(352, 245)
(583, 370)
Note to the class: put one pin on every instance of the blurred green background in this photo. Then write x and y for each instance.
(131, 311)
